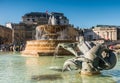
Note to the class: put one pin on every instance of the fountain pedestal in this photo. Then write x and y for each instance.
(87, 70)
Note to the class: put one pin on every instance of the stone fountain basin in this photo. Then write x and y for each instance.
(44, 47)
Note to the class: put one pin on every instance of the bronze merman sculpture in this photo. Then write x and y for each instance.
(94, 57)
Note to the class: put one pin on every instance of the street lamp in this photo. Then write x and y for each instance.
(13, 35)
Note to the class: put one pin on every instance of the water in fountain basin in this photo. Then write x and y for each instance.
(15, 68)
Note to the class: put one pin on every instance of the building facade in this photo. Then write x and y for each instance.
(105, 32)
(40, 18)
(35, 18)
(5, 35)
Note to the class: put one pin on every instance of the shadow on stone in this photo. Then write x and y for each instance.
(47, 77)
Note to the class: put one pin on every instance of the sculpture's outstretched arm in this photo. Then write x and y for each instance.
(70, 49)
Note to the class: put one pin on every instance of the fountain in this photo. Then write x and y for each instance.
(48, 37)
(94, 58)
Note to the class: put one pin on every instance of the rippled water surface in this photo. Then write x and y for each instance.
(15, 68)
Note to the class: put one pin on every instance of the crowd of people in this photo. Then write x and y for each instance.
(12, 47)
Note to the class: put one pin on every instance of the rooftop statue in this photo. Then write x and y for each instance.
(92, 59)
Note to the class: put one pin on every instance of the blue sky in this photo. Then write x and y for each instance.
(82, 13)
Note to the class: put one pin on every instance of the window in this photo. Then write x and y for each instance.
(28, 19)
(33, 20)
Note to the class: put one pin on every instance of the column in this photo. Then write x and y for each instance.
(111, 35)
(115, 35)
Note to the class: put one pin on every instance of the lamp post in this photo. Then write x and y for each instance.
(13, 35)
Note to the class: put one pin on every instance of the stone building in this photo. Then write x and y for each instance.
(105, 32)
(40, 18)
(5, 35)
(35, 18)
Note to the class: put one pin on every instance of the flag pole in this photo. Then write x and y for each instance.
(46, 14)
